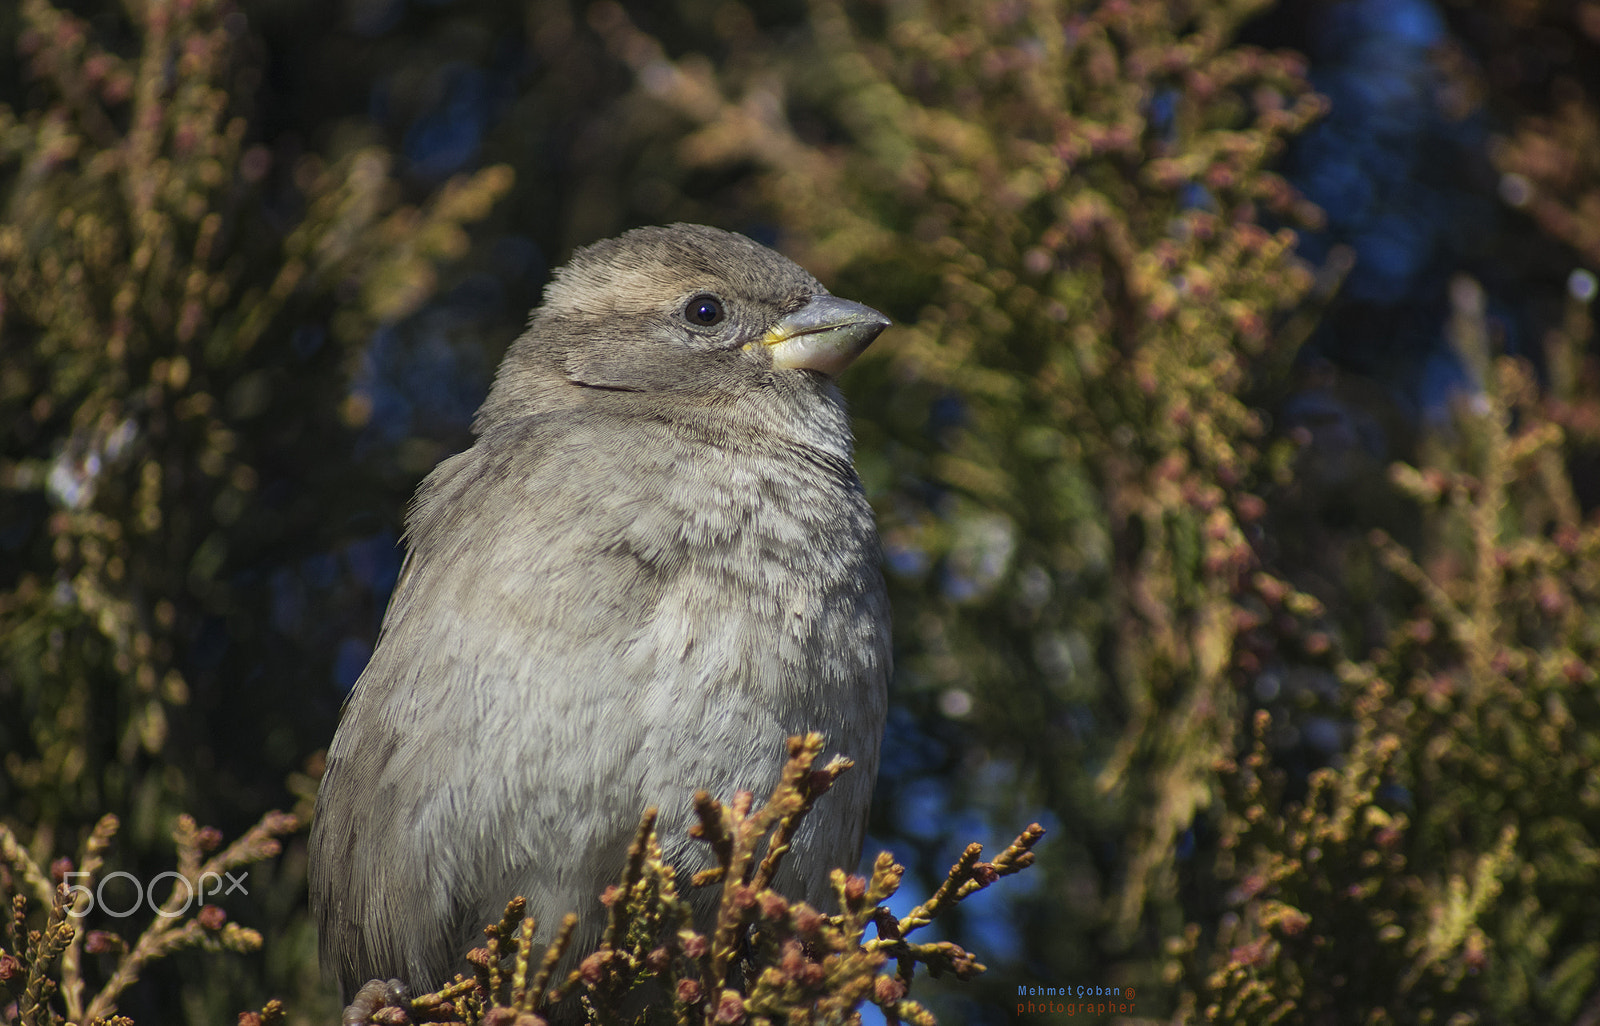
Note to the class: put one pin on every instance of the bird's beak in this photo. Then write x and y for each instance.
(824, 335)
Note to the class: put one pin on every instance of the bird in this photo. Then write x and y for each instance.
(653, 565)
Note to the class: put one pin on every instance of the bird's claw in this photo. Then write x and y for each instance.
(373, 996)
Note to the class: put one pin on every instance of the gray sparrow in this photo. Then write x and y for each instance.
(654, 565)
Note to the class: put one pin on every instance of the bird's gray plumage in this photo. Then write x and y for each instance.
(653, 566)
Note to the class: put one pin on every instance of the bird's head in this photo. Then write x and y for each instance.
(684, 314)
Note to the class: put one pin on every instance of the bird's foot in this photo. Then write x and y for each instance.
(373, 996)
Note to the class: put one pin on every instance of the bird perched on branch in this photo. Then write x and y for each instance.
(654, 564)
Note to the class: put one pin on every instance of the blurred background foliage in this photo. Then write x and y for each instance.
(1235, 454)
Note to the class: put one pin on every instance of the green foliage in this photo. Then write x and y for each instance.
(43, 968)
(146, 316)
(147, 311)
(156, 270)
(1448, 869)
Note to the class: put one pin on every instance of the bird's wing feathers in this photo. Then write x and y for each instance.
(432, 706)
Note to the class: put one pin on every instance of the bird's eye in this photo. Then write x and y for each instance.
(704, 309)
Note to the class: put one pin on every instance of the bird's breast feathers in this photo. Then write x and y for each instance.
(694, 564)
